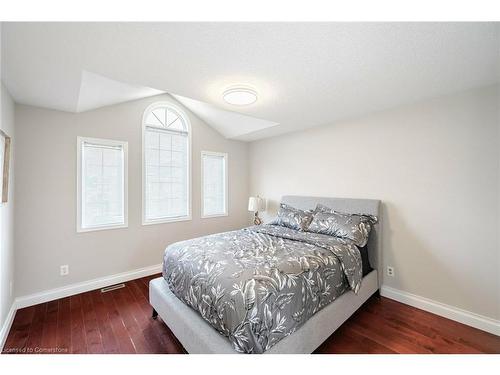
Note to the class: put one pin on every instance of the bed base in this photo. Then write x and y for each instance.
(198, 336)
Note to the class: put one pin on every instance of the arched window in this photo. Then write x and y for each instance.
(166, 165)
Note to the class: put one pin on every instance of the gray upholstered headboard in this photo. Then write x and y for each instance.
(352, 206)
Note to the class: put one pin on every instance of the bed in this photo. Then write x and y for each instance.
(303, 332)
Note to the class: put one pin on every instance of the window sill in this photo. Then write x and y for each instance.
(107, 227)
(167, 220)
(215, 215)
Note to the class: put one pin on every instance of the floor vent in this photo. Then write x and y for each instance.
(112, 287)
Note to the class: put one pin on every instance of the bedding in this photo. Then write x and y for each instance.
(292, 217)
(260, 284)
(354, 227)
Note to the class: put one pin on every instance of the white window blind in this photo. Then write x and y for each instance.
(102, 184)
(214, 184)
(166, 189)
(166, 182)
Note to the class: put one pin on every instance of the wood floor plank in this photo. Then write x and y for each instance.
(92, 333)
(152, 335)
(367, 345)
(174, 347)
(135, 333)
(36, 331)
(63, 336)
(140, 314)
(78, 336)
(21, 328)
(435, 326)
(168, 342)
(125, 344)
(49, 333)
(377, 330)
(143, 287)
(120, 322)
(346, 341)
(109, 342)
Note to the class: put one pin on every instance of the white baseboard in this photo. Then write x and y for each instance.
(454, 313)
(4, 331)
(85, 286)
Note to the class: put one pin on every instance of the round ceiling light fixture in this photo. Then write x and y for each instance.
(240, 95)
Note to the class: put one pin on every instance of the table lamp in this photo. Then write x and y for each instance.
(256, 204)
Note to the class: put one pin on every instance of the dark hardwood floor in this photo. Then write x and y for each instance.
(120, 322)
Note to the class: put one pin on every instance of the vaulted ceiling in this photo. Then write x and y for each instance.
(305, 74)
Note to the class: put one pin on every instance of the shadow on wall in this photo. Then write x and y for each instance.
(414, 256)
(395, 229)
(272, 207)
(271, 210)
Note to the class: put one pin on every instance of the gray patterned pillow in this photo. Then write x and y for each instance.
(292, 217)
(355, 227)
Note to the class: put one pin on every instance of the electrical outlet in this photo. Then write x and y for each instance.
(64, 270)
(390, 271)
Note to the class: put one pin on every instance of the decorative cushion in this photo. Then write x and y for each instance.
(355, 227)
(292, 217)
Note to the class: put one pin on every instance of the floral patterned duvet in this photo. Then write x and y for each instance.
(260, 284)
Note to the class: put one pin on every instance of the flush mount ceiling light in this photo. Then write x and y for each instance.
(240, 96)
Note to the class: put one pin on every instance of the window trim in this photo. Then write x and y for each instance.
(226, 184)
(181, 113)
(79, 170)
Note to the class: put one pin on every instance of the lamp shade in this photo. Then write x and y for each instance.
(256, 204)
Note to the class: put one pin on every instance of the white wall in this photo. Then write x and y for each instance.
(45, 230)
(435, 166)
(6, 214)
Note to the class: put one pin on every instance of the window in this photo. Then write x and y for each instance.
(214, 184)
(102, 184)
(166, 167)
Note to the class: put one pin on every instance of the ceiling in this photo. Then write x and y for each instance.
(98, 91)
(306, 74)
(230, 124)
